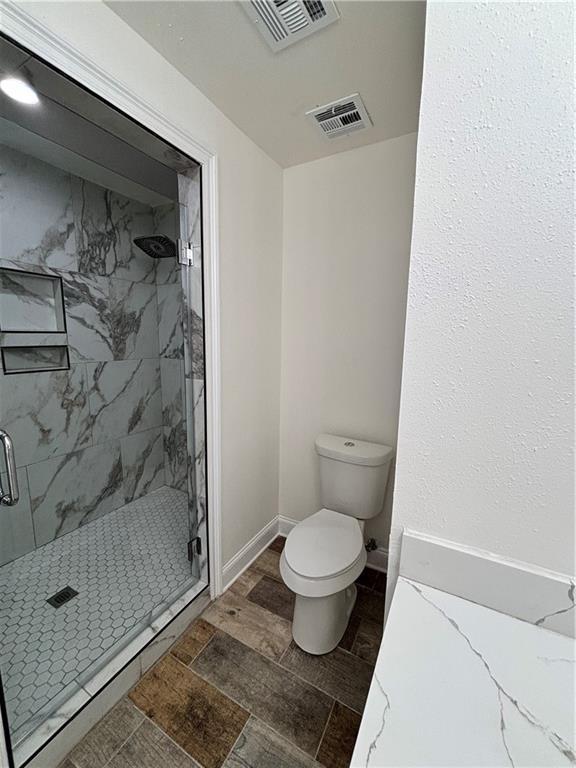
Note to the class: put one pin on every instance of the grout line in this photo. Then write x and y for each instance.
(277, 663)
(324, 731)
(354, 655)
(244, 707)
(353, 643)
(321, 690)
(113, 755)
(279, 660)
(285, 670)
(169, 651)
(285, 738)
(233, 747)
(284, 654)
(167, 735)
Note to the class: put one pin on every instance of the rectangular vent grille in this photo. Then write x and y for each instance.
(283, 22)
(341, 117)
(62, 597)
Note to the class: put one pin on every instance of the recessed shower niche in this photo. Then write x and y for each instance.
(32, 322)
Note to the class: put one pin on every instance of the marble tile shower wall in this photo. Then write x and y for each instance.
(110, 429)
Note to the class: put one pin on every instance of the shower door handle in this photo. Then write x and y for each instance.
(13, 494)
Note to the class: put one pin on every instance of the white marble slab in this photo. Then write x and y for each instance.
(458, 684)
(524, 590)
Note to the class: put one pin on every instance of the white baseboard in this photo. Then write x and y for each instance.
(285, 525)
(249, 552)
(377, 559)
(519, 589)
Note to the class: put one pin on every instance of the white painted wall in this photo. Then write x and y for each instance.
(486, 420)
(250, 203)
(347, 221)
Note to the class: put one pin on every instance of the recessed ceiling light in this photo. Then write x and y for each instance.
(19, 90)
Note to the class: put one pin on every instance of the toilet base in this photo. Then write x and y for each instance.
(320, 622)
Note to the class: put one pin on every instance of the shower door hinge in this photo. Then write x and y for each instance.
(186, 252)
(194, 547)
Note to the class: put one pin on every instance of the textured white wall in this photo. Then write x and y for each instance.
(486, 420)
(250, 203)
(347, 222)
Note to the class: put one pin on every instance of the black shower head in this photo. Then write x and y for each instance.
(157, 246)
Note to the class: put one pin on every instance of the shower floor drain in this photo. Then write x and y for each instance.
(62, 597)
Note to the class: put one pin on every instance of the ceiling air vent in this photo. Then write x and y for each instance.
(283, 22)
(340, 117)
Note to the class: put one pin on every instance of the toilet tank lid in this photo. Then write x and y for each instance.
(353, 451)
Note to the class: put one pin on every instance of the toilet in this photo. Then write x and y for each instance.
(325, 554)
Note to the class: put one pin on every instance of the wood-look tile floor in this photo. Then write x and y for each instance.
(236, 692)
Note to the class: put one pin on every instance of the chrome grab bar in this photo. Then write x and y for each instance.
(10, 498)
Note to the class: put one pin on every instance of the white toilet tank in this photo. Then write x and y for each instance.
(353, 475)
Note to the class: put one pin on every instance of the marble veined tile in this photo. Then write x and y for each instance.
(197, 345)
(142, 462)
(33, 359)
(125, 397)
(132, 320)
(110, 319)
(46, 413)
(164, 217)
(195, 390)
(193, 323)
(86, 299)
(175, 431)
(170, 321)
(106, 224)
(36, 218)
(172, 376)
(74, 489)
(16, 522)
(30, 302)
(175, 456)
(189, 195)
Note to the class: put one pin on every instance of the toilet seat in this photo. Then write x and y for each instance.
(324, 545)
(323, 554)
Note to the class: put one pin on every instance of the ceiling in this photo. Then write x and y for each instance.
(375, 49)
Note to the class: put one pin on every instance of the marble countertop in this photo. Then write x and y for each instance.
(458, 684)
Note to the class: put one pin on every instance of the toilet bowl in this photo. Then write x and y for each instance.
(322, 558)
(324, 554)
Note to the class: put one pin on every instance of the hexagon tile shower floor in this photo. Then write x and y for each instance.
(122, 566)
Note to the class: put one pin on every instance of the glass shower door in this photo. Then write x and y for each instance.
(101, 394)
